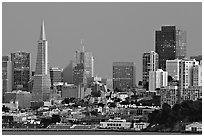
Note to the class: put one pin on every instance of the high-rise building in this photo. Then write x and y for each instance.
(6, 75)
(21, 70)
(186, 73)
(84, 67)
(42, 84)
(123, 75)
(150, 63)
(55, 75)
(68, 72)
(170, 43)
(172, 67)
(157, 79)
(197, 75)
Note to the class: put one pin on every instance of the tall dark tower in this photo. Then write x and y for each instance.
(42, 84)
(170, 43)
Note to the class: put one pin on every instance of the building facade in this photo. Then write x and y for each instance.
(84, 67)
(170, 43)
(172, 67)
(192, 93)
(21, 70)
(186, 73)
(56, 75)
(123, 75)
(157, 79)
(169, 95)
(197, 75)
(6, 75)
(150, 63)
(41, 83)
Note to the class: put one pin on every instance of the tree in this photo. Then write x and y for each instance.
(55, 118)
(96, 93)
(170, 79)
(5, 109)
(113, 105)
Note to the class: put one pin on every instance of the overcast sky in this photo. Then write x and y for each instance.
(111, 31)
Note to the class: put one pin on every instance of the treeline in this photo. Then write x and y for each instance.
(186, 112)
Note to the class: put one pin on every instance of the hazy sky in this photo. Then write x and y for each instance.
(111, 31)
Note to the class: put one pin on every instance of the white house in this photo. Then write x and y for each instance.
(194, 127)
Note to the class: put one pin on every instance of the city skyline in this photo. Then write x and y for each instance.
(110, 25)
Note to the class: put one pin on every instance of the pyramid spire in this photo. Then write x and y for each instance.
(42, 32)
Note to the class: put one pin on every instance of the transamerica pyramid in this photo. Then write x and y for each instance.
(41, 83)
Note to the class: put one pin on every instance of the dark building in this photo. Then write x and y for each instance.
(55, 75)
(123, 75)
(170, 43)
(21, 70)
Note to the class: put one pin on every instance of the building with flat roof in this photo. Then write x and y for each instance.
(56, 75)
(170, 43)
(21, 70)
(150, 63)
(123, 75)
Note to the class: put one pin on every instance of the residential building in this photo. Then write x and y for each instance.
(41, 83)
(169, 95)
(186, 73)
(123, 75)
(194, 127)
(192, 93)
(140, 126)
(197, 75)
(157, 79)
(170, 43)
(150, 63)
(21, 70)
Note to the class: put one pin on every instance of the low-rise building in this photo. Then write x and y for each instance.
(194, 127)
(140, 126)
(116, 123)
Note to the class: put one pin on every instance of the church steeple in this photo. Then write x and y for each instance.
(42, 32)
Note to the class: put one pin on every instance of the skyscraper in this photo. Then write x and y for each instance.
(150, 63)
(6, 75)
(84, 67)
(197, 75)
(123, 75)
(21, 69)
(170, 43)
(42, 84)
(157, 79)
(186, 73)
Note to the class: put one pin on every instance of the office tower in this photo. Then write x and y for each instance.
(172, 67)
(197, 58)
(55, 75)
(186, 76)
(150, 63)
(123, 75)
(197, 75)
(42, 84)
(84, 67)
(170, 43)
(157, 79)
(6, 75)
(68, 72)
(21, 70)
